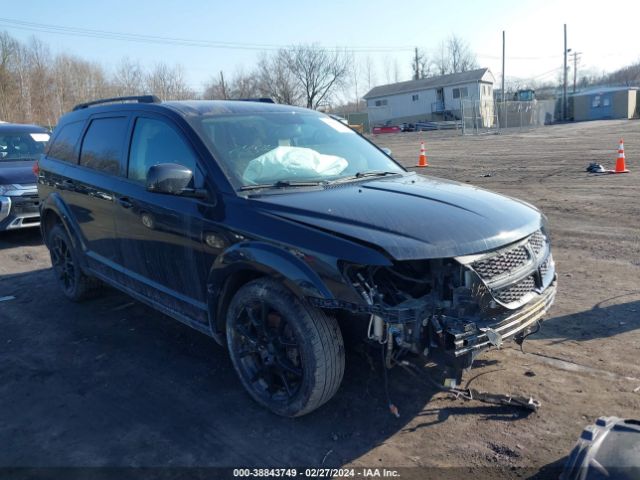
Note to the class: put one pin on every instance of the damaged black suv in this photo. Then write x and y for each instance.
(275, 229)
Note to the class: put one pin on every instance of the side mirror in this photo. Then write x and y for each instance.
(387, 151)
(170, 178)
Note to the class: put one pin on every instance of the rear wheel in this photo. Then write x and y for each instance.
(66, 266)
(289, 355)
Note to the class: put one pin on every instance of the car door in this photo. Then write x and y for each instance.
(160, 235)
(88, 188)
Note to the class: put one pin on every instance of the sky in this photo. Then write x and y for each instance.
(236, 33)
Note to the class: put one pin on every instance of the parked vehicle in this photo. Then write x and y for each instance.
(357, 127)
(386, 129)
(275, 229)
(20, 147)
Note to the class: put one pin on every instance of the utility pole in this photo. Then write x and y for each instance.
(222, 86)
(575, 69)
(564, 83)
(503, 50)
(416, 66)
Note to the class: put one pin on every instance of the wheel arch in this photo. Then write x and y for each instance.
(54, 210)
(248, 261)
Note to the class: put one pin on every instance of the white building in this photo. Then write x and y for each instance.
(434, 98)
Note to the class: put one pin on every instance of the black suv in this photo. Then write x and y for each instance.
(275, 229)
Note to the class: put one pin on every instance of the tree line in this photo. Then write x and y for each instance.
(37, 86)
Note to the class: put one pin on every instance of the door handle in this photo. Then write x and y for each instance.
(125, 202)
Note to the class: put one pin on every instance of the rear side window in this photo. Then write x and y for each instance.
(156, 142)
(102, 144)
(63, 146)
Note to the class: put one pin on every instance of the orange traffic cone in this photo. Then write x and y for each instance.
(422, 159)
(620, 164)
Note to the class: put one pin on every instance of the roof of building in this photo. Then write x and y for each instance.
(599, 90)
(427, 83)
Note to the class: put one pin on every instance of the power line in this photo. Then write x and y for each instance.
(155, 39)
(496, 57)
(179, 41)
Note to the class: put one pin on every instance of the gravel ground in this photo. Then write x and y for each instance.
(110, 382)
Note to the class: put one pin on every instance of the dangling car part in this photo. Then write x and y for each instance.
(451, 309)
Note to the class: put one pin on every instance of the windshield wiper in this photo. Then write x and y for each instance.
(280, 184)
(374, 173)
(371, 173)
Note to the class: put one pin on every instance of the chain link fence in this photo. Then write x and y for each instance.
(486, 116)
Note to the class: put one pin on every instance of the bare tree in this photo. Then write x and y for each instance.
(626, 76)
(355, 71)
(168, 83)
(421, 64)
(387, 68)
(76, 81)
(396, 70)
(216, 88)
(454, 56)
(462, 57)
(128, 79)
(9, 49)
(39, 63)
(276, 81)
(370, 74)
(244, 85)
(318, 72)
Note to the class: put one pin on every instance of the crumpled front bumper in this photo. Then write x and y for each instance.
(508, 326)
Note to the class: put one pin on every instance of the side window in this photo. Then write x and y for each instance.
(154, 142)
(102, 144)
(63, 146)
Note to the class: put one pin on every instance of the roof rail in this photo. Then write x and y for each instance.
(261, 100)
(135, 98)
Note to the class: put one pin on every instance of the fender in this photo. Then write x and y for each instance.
(54, 203)
(264, 259)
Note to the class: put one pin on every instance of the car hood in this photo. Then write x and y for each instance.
(410, 216)
(20, 173)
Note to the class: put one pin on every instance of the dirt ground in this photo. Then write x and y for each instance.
(112, 383)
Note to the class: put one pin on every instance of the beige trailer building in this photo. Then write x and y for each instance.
(433, 98)
(605, 102)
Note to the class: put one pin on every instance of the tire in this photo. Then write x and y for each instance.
(288, 354)
(75, 285)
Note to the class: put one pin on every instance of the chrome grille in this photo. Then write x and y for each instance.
(546, 266)
(537, 242)
(502, 263)
(514, 292)
(528, 262)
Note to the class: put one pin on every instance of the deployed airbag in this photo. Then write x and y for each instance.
(287, 163)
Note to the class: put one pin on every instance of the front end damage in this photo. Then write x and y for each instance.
(448, 310)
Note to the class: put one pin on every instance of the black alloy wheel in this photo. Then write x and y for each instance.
(269, 352)
(76, 285)
(288, 354)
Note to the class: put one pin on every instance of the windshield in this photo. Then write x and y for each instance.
(22, 146)
(272, 148)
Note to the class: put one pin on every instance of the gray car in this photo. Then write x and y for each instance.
(20, 148)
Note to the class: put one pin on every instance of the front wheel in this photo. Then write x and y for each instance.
(289, 355)
(66, 266)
